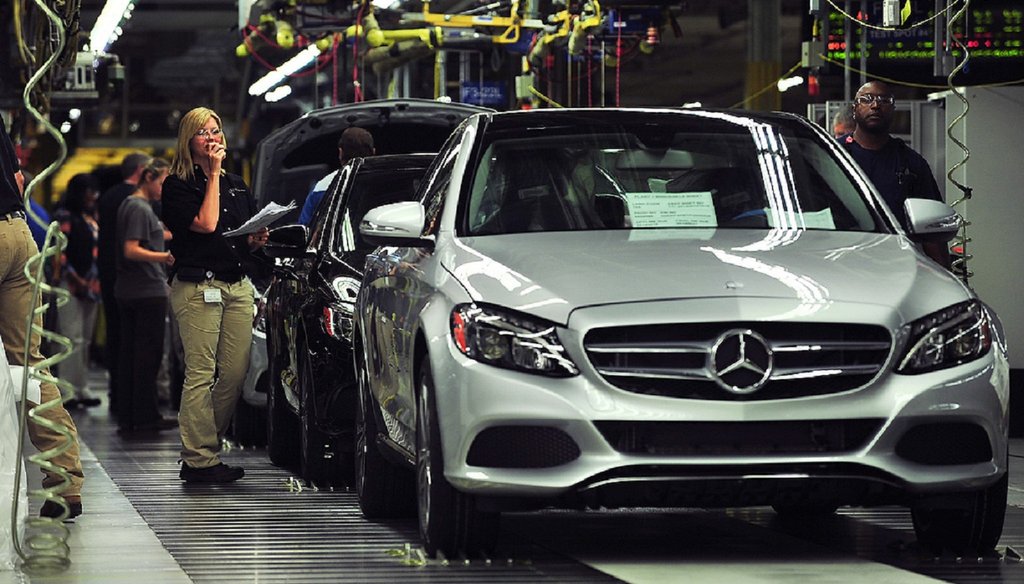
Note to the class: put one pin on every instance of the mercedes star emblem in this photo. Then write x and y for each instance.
(741, 361)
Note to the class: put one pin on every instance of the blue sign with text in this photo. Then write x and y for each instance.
(492, 93)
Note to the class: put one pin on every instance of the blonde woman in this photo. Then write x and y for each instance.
(211, 295)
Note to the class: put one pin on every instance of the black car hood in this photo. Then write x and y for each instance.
(292, 158)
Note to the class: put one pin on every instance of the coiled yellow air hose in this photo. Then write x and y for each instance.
(45, 547)
(959, 264)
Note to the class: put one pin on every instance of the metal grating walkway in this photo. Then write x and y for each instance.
(261, 530)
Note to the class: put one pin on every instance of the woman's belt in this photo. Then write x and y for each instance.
(193, 274)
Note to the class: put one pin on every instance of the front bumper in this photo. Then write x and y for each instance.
(793, 450)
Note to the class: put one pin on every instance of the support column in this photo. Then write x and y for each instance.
(764, 54)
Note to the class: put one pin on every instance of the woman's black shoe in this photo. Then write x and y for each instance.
(220, 473)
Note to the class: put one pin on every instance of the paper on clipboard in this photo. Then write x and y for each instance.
(267, 215)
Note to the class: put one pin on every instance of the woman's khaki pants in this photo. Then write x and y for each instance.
(216, 333)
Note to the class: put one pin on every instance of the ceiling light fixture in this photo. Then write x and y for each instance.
(108, 25)
(278, 93)
(789, 83)
(276, 77)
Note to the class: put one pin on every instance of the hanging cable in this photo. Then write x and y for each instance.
(334, 70)
(959, 264)
(356, 88)
(769, 87)
(618, 54)
(590, 71)
(893, 28)
(46, 548)
(545, 98)
(892, 81)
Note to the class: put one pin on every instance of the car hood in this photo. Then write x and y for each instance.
(552, 274)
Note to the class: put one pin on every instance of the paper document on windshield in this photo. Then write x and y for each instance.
(264, 218)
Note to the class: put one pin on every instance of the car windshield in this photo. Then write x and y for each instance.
(699, 170)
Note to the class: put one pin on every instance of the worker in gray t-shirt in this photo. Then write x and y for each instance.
(141, 291)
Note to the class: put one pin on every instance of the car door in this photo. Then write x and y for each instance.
(296, 296)
(399, 284)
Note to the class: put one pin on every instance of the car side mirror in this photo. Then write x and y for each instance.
(288, 241)
(931, 221)
(399, 224)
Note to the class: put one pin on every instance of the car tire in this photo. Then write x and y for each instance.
(282, 426)
(968, 524)
(385, 490)
(316, 457)
(451, 525)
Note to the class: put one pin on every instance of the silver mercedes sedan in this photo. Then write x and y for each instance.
(669, 308)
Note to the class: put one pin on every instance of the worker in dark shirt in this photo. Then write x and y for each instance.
(16, 302)
(109, 202)
(897, 172)
(211, 294)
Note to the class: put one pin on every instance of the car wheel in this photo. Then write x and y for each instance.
(316, 460)
(967, 524)
(385, 490)
(804, 511)
(450, 523)
(282, 427)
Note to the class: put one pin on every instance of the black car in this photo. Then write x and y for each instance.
(291, 159)
(312, 399)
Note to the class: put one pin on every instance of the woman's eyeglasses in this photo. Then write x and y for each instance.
(203, 132)
(870, 98)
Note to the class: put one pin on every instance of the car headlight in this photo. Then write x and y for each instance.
(509, 340)
(953, 336)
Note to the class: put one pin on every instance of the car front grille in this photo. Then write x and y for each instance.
(739, 438)
(679, 360)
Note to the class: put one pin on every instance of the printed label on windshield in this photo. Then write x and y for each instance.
(694, 209)
(806, 220)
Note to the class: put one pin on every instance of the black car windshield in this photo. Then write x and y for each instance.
(669, 171)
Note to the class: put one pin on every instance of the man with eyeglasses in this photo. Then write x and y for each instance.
(896, 170)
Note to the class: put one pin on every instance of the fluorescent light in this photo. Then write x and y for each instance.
(107, 29)
(790, 82)
(278, 93)
(277, 76)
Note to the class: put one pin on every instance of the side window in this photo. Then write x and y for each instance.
(367, 191)
(439, 177)
(318, 226)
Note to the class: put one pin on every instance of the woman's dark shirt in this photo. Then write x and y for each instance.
(227, 256)
(81, 249)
